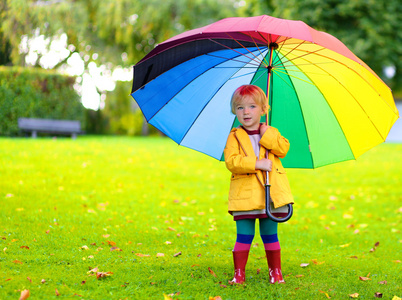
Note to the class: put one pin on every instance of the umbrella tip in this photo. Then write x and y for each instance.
(273, 46)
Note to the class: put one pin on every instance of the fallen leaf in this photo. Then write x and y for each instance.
(43, 281)
(375, 247)
(24, 294)
(171, 229)
(258, 271)
(85, 247)
(303, 265)
(299, 276)
(24, 247)
(317, 262)
(94, 270)
(176, 254)
(215, 298)
(355, 295)
(344, 246)
(8, 279)
(57, 292)
(378, 295)
(142, 255)
(17, 262)
(326, 294)
(212, 272)
(115, 249)
(111, 243)
(364, 278)
(383, 282)
(396, 298)
(166, 297)
(30, 280)
(160, 254)
(168, 243)
(106, 236)
(100, 275)
(5, 249)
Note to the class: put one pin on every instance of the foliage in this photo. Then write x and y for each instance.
(36, 93)
(140, 218)
(122, 113)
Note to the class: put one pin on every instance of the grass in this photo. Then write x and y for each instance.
(155, 215)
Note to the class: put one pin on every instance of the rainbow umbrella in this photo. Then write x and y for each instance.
(329, 104)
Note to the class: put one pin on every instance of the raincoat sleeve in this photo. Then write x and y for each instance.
(236, 160)
(275, 142)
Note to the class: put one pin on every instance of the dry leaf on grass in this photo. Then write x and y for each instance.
(326, 294)
(362, 278)
(24, 295)
(115, 249)
(212, 272)
(142, 255)
(100, 275)
(57, 292)
(375, 247)
(177, 254)
(303, 265)
(378, 295)
(355, 295)
(17, 262)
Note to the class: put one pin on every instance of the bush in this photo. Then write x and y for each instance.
(36, 93)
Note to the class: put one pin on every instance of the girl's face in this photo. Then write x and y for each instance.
(248, 113)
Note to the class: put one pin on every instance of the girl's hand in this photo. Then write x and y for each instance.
(263, 128)
(264, 164)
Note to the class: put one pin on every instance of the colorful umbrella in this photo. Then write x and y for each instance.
(329, 104)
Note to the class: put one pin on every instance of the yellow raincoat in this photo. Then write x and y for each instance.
(247, 190)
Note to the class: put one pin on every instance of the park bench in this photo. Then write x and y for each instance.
(50, 126)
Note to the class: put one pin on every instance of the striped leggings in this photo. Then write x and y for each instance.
(246, 230)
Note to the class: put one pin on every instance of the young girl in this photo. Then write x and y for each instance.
(245, 157)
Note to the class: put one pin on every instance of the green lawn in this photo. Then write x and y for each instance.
(154, 215)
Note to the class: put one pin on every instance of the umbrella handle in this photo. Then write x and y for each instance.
(268, 202)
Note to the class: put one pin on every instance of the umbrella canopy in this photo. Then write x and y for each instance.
(329, 104)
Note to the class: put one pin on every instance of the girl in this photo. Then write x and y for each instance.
(245, 157)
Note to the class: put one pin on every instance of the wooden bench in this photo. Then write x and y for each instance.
(50, 126)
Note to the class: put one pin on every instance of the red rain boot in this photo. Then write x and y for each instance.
(274, 265)
(240, 261)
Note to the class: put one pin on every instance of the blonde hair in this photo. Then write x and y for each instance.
(249, 90)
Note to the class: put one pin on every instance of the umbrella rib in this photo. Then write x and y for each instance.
(236, 60)
(277, 71)
(292, 49)
(300, 56)
(255, 57)
(358, 74)
(368, 117)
